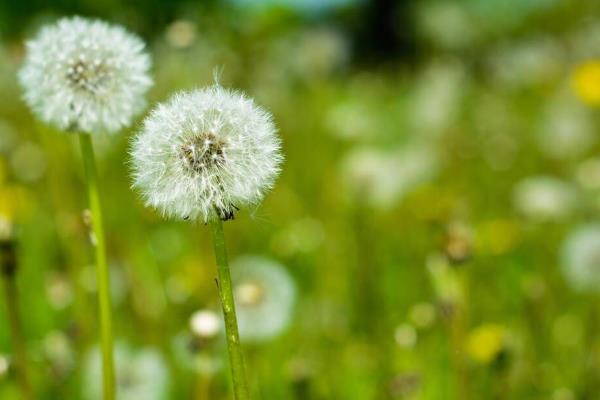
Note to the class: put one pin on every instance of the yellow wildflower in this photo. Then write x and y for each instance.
(486, 342)
(586, 82)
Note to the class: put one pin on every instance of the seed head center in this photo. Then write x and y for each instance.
(87, 75)
(203, 152)
(250, 293)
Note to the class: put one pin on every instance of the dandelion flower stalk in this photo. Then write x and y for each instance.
(201, 156)
(102, 272)
(9, 269)
(236, 359)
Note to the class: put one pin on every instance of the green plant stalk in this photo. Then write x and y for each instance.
(236, 359)
(102, 272)
(16, 333)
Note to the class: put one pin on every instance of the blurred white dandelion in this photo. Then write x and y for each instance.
(58, 350)
(438, 96)
(206, 150)
(382, 178)
(140, 374)
(265, 295)
(566, 128)
(446, 24)
(85, 75)
(581, 258)
(320, 52)
(352, 119)
(205, 323)
(59, 291)
(544, 198)
(181, 34)
(532, 61)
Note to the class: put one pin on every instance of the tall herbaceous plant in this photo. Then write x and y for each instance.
(87, 77)
(201, 156)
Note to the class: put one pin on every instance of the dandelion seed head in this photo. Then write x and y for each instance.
(85, 75)
(265, 295)
(140, 374)
(581, 258)
(544, 198)
(205, 324)
(203, 154)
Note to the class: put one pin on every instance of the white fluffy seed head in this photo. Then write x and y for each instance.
(85, 75)
(203, 154)
(265, 295)
(205, 324)
(581, 258)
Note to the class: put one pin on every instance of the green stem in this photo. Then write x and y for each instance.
(236, 359)
(16, 333)
(102, 272)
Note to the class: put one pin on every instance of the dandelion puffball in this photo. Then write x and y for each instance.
(205, 324)
(265, 295)
(85, 75)
(581, 258)
(140, 374)
(544, 198)
(204, 153)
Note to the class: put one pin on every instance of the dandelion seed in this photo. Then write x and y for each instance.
(85, 75)
(205, 153)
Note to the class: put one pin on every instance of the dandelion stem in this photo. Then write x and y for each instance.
(102, 273)
(236, 359)
(14, 321)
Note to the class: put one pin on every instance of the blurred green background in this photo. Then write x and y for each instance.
(433, 231)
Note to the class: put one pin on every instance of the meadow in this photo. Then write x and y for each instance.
(434, 232)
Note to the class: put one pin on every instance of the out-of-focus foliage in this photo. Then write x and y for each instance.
(436, 218)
